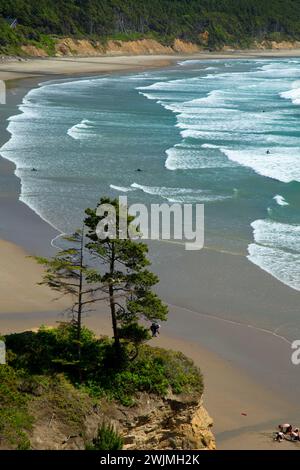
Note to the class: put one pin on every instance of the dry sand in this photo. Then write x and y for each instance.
(106, 64)
(78, 65)
(19, 278)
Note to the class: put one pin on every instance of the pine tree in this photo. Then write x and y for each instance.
(124, 278)
(67, 273)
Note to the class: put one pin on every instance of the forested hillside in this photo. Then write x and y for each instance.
(233, 22)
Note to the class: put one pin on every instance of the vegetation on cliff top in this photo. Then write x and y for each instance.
(41, 370)
(54, 351)
(234, 22)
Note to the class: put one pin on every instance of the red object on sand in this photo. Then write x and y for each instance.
(244, 414)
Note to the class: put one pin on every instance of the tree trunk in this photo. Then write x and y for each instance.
(79, 310)
(112, 302)
(113, 315)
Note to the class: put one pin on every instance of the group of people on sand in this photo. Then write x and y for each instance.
(286, 431)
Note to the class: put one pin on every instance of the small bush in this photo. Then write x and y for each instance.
(107, 439)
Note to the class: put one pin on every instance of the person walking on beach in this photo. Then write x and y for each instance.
(154, 329)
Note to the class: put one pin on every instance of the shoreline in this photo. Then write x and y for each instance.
(65, 67)
(82, 65)
(13, 211)
(221, 347)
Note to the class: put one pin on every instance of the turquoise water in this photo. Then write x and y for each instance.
(225, 133)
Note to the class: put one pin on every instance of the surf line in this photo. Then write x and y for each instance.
(205, 248)
(236, 323)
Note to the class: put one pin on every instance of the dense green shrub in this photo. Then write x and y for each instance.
(154, 370)
(53, 350)
(107, 439)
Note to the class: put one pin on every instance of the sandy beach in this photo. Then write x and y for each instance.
(15, 69)
(22, 291)
(251, 384)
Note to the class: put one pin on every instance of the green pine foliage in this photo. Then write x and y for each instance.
(235, 22)
(123, 276)
(106, 439)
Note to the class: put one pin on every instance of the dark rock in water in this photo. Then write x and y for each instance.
(33, 169)
(138, 169)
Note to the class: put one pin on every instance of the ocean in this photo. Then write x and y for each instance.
(220, 132)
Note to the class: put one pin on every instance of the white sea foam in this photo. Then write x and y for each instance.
(282, 164)
(280, 200)
(282, 265)
(293, 94)
(200, 198)
(189, 62)
(278, 70)
(84, 130)
(122, 189)
(214, 98)
(277, 235)
(180, 195)
(198, 121)
(276, 250)
(217, 116)
(210, 146)
(182, 157)
(163, 191)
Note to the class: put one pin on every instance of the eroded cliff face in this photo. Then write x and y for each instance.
(173, 422)
(34, 51)
(273, 45)
(84, 47)
(71, 47)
